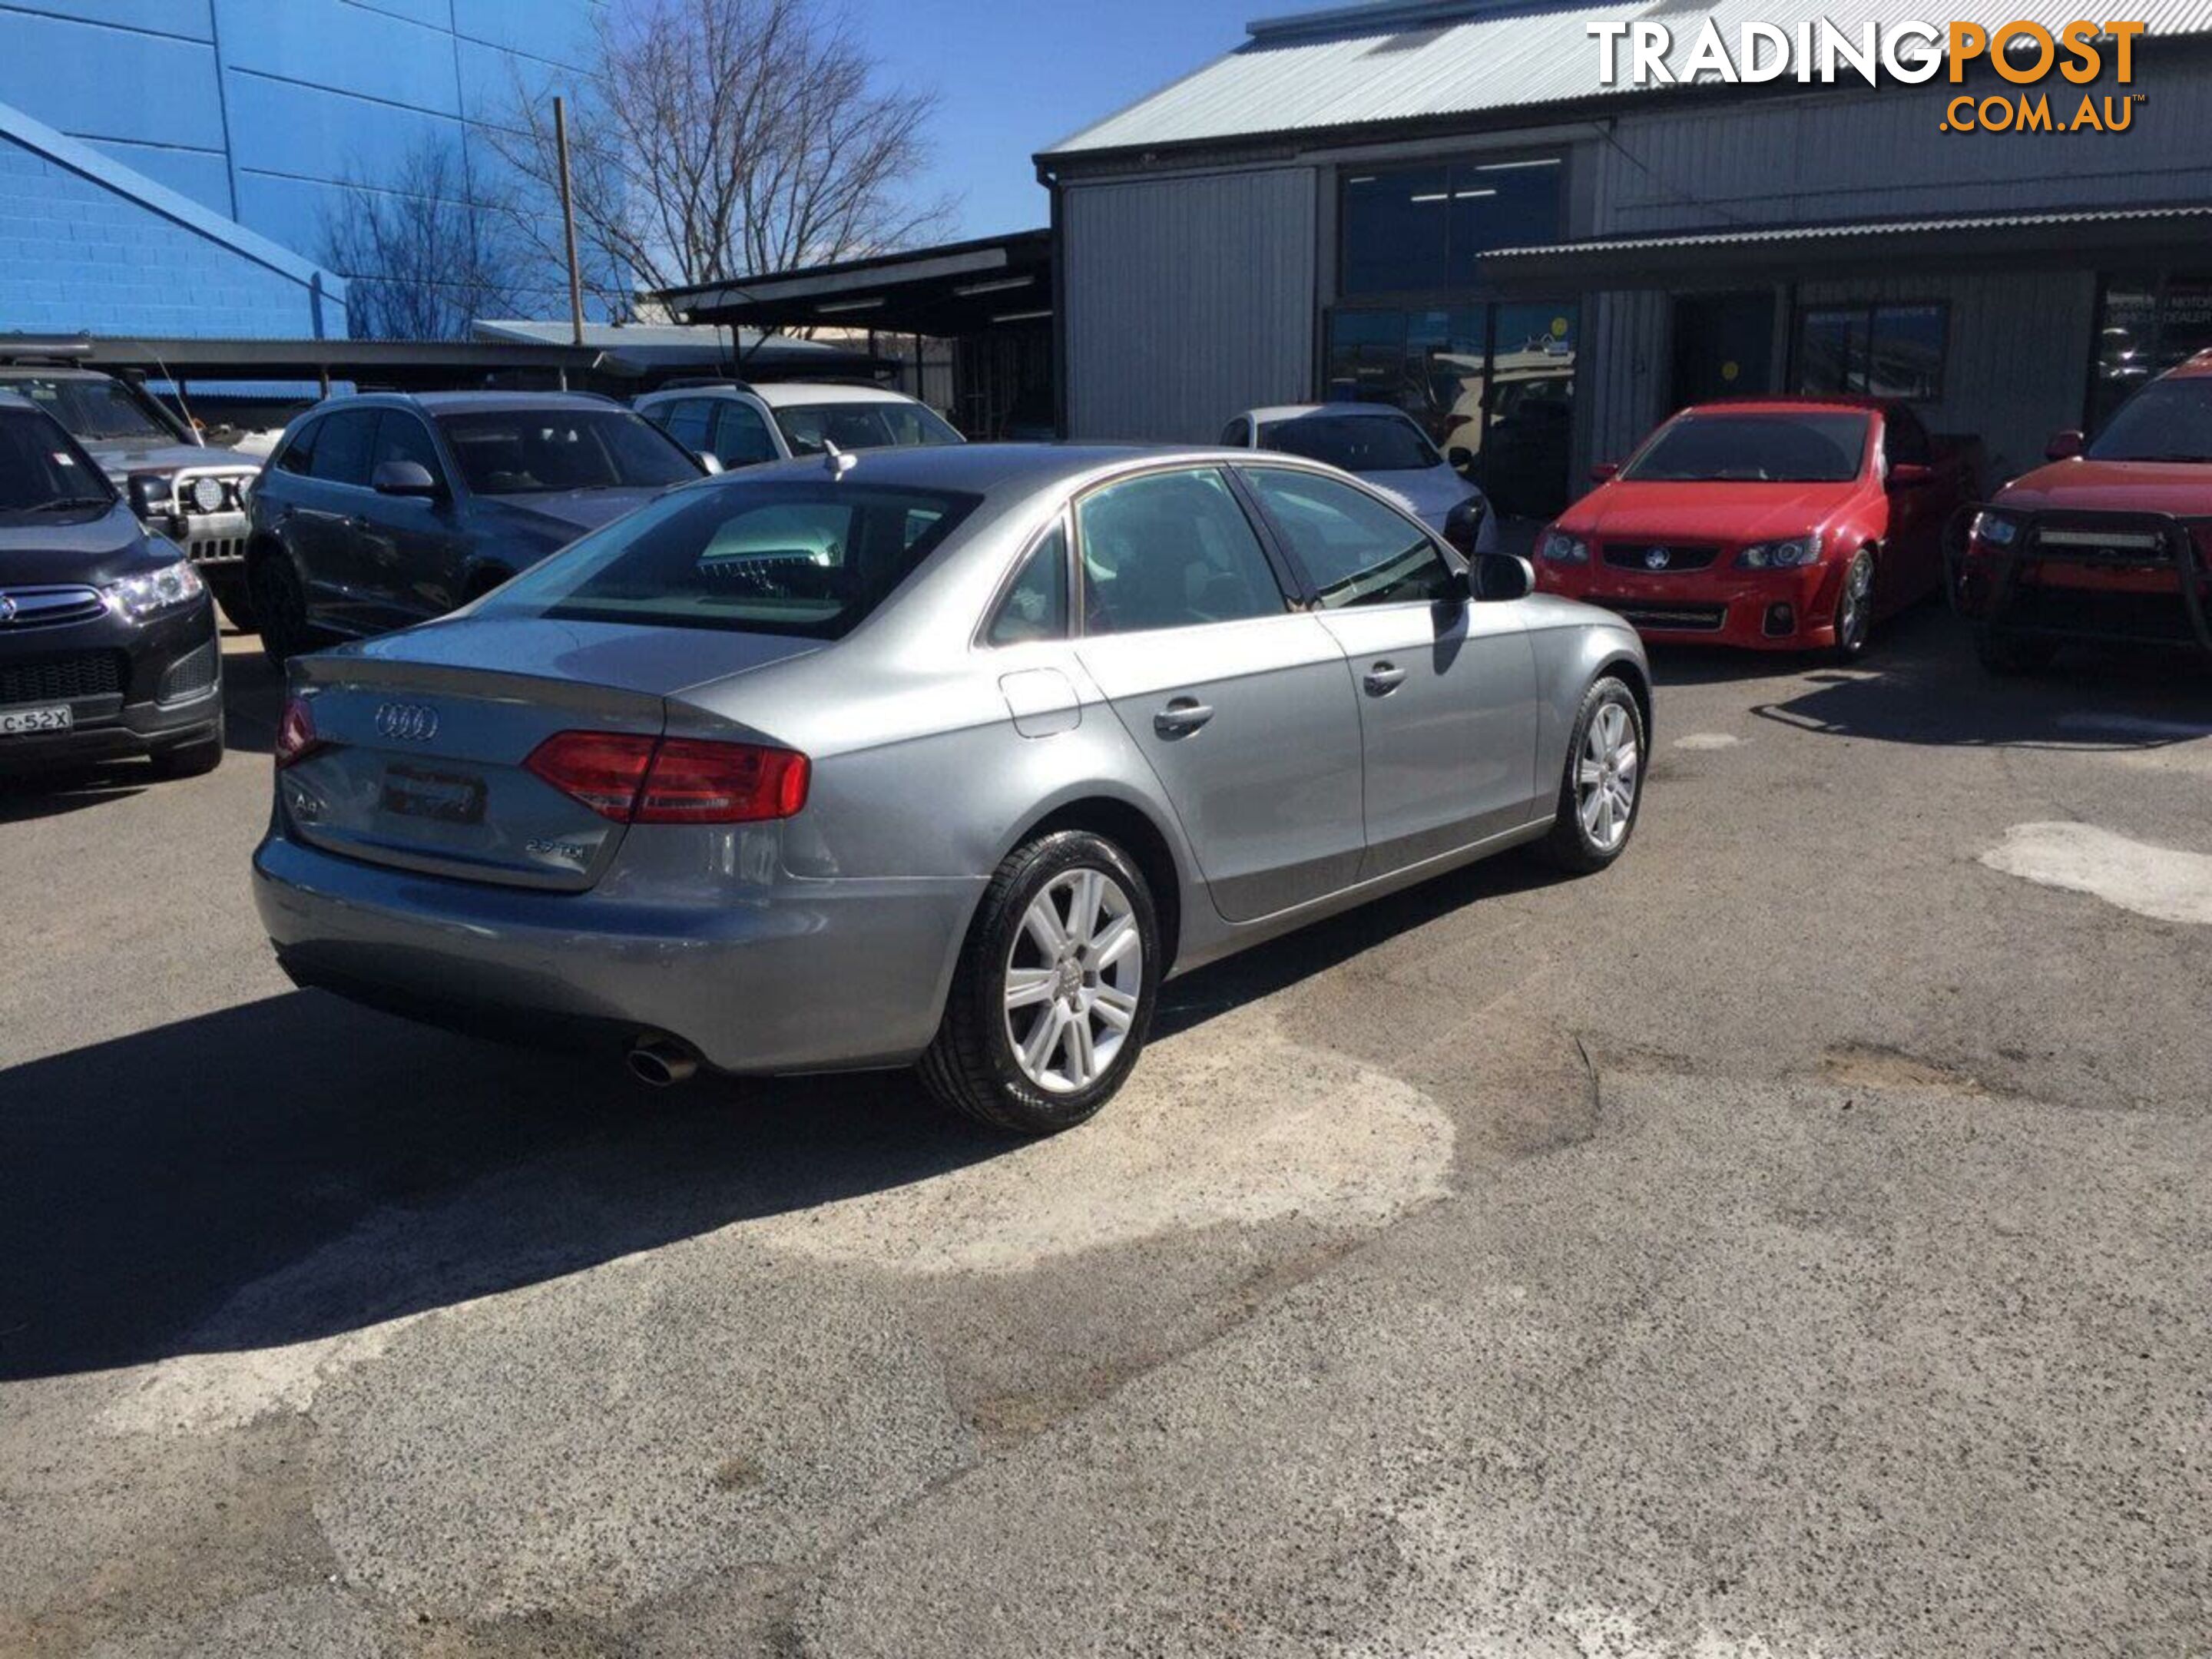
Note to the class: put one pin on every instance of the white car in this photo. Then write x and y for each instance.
(1384, 446)
(740, 425)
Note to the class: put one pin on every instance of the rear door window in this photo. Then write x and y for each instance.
(741, 437)
(343, 447)
(685, 421)
(1170, 549)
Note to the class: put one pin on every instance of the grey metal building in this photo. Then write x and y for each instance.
(1436, 203)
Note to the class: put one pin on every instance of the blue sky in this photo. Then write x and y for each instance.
(1015, 75)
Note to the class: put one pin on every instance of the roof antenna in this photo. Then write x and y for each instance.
(836, 460)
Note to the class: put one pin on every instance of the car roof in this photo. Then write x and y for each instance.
(438, 403)
(984, 469)
(2190, 368)
(1296, 411)
(1777, 402)
(32, 369)
(789, 394)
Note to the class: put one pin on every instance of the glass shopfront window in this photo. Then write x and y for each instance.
(1493, 384)
(1410, 230)
(2147, 322)
(1873, 350)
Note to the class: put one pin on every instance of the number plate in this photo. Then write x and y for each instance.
(21, 722)
(444, 796)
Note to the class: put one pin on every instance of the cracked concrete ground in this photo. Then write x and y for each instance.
(1791, 1243)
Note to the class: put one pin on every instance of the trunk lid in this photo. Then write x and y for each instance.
(424, 735)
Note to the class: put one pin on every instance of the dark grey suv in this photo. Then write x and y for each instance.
(379, 511)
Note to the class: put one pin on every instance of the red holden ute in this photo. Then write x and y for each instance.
(2112, 541)
(1782, 524)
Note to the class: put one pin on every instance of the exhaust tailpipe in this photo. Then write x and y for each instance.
(661, 1062)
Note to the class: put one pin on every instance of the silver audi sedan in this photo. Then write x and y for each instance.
(945, 757)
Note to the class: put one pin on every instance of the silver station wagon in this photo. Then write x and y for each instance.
(945, 757)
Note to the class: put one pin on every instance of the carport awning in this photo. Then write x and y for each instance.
(959, 289)
(2068, 237)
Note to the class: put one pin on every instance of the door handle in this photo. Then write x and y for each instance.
(1182, 717)
(1384, 678)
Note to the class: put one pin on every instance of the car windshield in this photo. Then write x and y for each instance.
(43, 476)
(811, 558)
(530, 452)
(2167, 421)
(1358, 443)
(95, 411)
(1819, 446)
(861, 426)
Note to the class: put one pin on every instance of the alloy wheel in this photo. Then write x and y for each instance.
(1856, 606)
(1606, 776)
(1074, 978)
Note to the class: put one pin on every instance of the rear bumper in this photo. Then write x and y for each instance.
(1766, 611)
(809, 975)
(2149, 585)
(165, 675)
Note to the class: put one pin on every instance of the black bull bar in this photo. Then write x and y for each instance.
(2093, 539)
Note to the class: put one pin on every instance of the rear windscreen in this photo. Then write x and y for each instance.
(784, 557)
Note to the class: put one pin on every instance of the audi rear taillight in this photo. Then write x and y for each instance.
(295, 732)
(640, 779)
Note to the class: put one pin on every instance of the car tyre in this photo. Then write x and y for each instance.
(190, 760)
(2009, 654)
(1853, 618)
(1601, 788)
(233, 593)
(1055, 990)
(280, 604)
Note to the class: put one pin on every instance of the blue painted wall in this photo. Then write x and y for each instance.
(255, 109)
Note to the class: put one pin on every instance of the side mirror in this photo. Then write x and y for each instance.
(709, 462)
(1911, 475)
(1604, 471)
(2063, 446)
(403, 479)
(1461, 458)
(1501, 576)
(152, 495)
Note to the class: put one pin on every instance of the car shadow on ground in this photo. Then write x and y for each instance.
(297, 1167)
(153, 1178)
(1252, 974)
(1932, 691)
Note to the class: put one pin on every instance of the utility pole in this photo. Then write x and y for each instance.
(568, 220)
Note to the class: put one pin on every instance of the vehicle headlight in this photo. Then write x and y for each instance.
(1790, 554)
(1995, 528)
(165, 589)
(1559, 548)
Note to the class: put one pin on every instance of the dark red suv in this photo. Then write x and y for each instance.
(2108, 542)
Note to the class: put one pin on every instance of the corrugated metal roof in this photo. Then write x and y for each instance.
(1762, 236)
(1402, 62)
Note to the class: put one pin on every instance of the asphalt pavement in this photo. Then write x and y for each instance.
(1792, 1243)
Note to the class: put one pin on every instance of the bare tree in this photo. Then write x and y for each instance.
(719, 139)
(426, 250)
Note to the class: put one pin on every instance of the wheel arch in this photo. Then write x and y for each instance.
(1134, 829)
(1637, 678)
